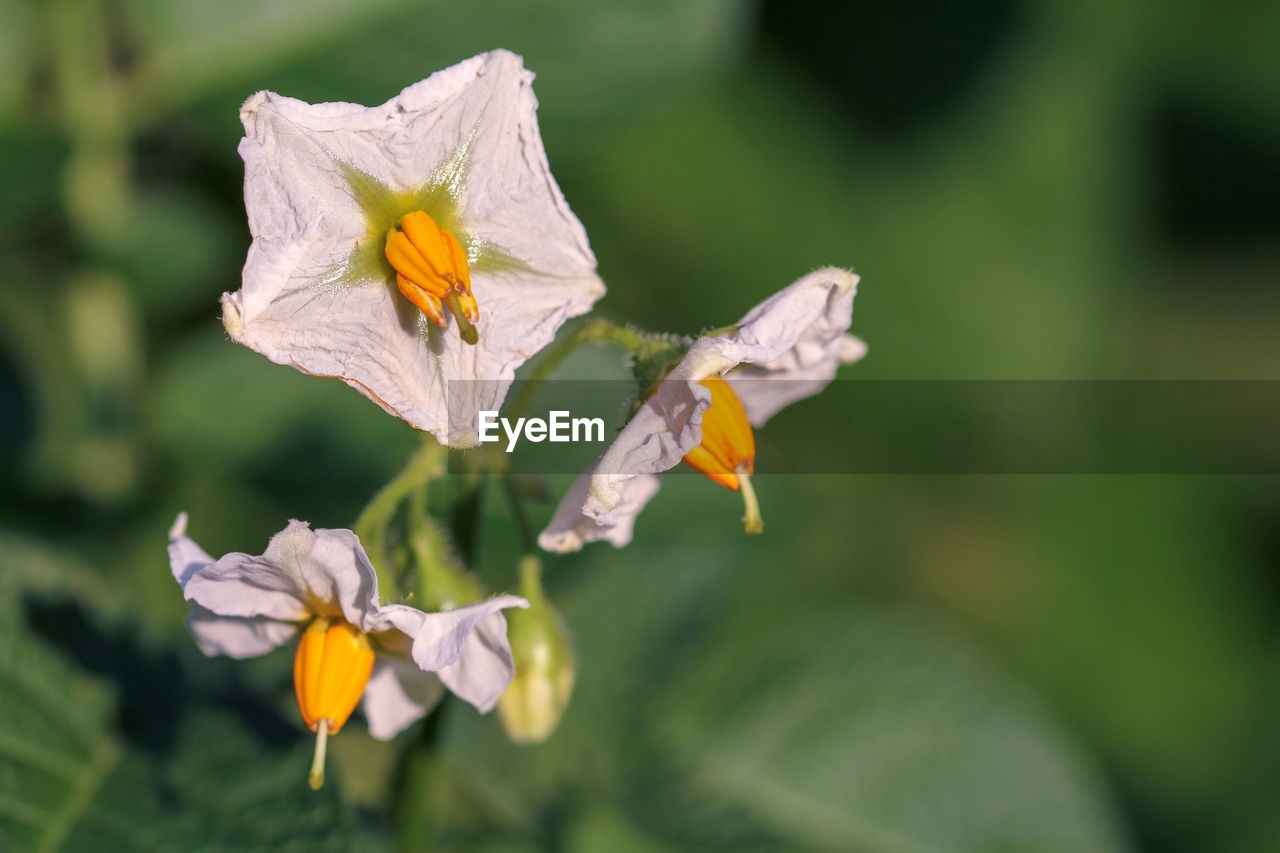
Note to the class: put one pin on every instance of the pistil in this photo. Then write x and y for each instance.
(316, 778)
(752, 522)
(330, 671)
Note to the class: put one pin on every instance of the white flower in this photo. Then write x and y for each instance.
(786, 348)
(341, 257)
(319, 583)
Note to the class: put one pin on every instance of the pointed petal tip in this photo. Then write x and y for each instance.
(560, 542)
(252, 103)
(232, 315)
(852, 348)
(179, 528)
(838, 277)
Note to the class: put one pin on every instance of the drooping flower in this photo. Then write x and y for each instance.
(402, 246)
(703, 413)
(318, 586)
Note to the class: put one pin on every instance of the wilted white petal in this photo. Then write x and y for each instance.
(398, 694)
(665, 428)
(808, 322)
(852, 348)
(570, 529)
(236, 637)
(306, 223)
(485, 668)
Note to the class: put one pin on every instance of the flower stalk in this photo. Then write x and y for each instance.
(426, 464)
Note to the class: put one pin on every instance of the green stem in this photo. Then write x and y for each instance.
(425, 464)
(419, 768)
(597, 331)
(527, 540)
(442, 583)
(467, 505)
(530, 571)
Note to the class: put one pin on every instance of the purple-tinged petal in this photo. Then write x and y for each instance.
(236, 637)
(302, 573)
(570, 528)
(185, 556)
(439, 638)
(485, 668)
(398, 694)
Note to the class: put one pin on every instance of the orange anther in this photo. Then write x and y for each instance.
(330, 671)
(728, 442)
(432, 272)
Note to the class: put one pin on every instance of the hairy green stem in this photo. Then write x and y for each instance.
(597, 331)
(442, 583)
(425, 464)
(468, 502)
(528, 542)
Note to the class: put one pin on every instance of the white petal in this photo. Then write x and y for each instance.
(439, 638)
(304, 222)
(398, 694)
(485, 668)
(221, 635)
(237, 638)
(786, 348)
(302, 572)
(185, 556)
(790, 345)
(852, 348)
(666, 427)
(570, 528)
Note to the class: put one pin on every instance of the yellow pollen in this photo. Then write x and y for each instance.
(432, 272)
(330, 671)
(727, 454)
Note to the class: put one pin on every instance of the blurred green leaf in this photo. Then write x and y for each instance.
(55, 749)
(609, 830)
(217, 403)
(597, 63)
(195, 47)
(31, 164)
(70, 781)
(856, 728)
(218, 789)
(175, 246)
(716, 711)
(749, 187)
(1149, 605)
(17, 52)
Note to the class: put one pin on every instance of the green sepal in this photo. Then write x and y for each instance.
(383, 208)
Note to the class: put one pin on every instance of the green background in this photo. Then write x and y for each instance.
(1030, 190)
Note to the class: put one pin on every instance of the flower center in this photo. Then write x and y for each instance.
(431, 272)
(727, 453)
(330, 671)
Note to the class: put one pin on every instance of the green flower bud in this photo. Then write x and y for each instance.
(533, 704)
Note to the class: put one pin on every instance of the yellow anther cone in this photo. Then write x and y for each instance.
(432, 272)
(330, 671)
(727, 453)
